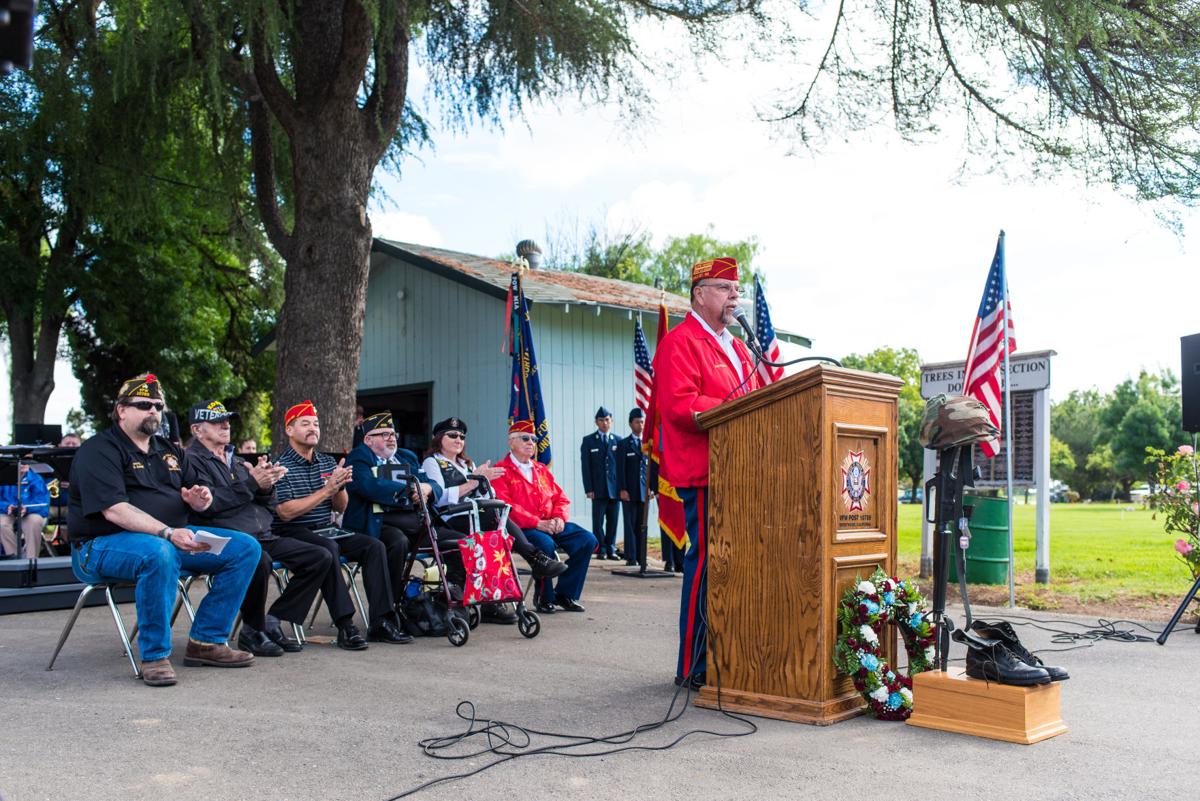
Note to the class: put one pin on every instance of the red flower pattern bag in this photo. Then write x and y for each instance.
(487, 558)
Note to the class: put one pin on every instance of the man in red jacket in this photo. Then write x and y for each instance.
(539, 507)
(698, 365)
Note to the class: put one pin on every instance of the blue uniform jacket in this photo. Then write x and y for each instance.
(34, 495)
(632, 470)
(366, 491)
(598, 456)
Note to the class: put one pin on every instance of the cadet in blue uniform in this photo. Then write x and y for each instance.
(631, 478)
(598, 458)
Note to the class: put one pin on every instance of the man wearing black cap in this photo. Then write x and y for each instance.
(381, 507)
(127, 521)
(244, 500)
(631, 478)
(598, 458)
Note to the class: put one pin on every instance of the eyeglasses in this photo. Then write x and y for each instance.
(525, 438)
(384, 435)
(733, 290)
(145, 406)
(455, 435)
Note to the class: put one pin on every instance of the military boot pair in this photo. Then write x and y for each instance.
(995, 653)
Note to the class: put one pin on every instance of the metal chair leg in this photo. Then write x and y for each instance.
(112, 605)
(351, 574)
(62, 638)
(182, 601)
(281, 582)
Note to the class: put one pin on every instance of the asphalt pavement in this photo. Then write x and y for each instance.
(327, 725)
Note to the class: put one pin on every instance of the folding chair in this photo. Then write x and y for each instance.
(351, 571)
(112, 606)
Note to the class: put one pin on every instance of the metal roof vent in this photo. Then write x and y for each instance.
(531, 252)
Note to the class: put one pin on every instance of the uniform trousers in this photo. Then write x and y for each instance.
(672, 554)
(631, 512)
(579, 544)
(693, 606)
(371, 556)
(604, 519)
(307, 566)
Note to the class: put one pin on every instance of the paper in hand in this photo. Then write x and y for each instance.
(215, 542)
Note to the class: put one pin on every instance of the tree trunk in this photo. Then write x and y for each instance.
(325, 287)
(32, 378)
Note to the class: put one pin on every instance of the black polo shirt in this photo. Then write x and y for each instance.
(109, 469)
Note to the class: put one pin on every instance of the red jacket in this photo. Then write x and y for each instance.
(532, 502)
(692, 374)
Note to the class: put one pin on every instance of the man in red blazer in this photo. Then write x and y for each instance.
(698, 365)
(539, 507)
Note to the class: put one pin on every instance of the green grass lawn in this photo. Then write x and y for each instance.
(1098, 553)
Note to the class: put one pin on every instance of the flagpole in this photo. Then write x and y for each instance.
(1008, 453)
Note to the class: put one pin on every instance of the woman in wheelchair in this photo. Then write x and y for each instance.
(448, 465)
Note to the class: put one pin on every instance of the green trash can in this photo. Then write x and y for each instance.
(987, 558)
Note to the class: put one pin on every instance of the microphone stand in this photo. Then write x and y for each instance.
(640, 534)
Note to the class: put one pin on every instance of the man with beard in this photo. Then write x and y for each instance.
(698, 365)
(308, 495)
(244, 499)
(127, 522)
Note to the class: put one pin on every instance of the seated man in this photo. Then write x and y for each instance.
(313, 488)
(244, 499)
(383, 508)
(127, 522)
(29, 502)
(539, 507)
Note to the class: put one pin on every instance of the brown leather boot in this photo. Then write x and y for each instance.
(215, 655)
(158, 673)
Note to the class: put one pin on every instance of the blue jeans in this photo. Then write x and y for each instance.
(154, 565)
(579, 544)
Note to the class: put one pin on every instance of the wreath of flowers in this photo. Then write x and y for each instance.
(863, 612)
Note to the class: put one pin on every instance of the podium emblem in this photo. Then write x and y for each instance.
(856, 480)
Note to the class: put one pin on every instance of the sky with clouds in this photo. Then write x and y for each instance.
(868, 242)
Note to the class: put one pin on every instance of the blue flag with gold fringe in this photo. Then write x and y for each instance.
(525, 394)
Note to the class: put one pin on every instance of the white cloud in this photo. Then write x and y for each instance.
(404, 227)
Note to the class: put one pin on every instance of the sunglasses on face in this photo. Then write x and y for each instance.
(455, 435)
(525, 438)
(145, 406)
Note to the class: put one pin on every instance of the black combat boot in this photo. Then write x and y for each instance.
(1002, 630)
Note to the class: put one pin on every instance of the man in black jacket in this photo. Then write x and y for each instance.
(598, 459)
(631, 478)
(244, 500)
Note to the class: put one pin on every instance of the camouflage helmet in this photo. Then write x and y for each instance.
(951, 420)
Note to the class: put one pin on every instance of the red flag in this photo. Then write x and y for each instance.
(670, 505)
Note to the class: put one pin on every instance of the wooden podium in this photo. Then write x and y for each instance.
(802, 499)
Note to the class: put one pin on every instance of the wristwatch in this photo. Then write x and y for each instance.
(165, 533)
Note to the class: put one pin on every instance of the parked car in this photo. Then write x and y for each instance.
(906, 496)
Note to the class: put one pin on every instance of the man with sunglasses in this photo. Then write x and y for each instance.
(539, 507)
(381, 507)
(127, 520)
(698, 365)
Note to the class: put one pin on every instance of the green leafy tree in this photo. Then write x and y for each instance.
(1062, 461)
(1075, 421)
(1139, 414)
(323, 89)
(903, 363)
(1108, 87)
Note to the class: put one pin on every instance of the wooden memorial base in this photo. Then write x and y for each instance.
(952, 702)
(797, 710)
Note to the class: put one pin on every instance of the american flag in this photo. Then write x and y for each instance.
(985, 356)
(766, 336)
(643, 373)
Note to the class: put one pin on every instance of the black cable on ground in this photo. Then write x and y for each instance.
(509, 741)
(1083, 635)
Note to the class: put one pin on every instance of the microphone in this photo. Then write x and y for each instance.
(751, 339)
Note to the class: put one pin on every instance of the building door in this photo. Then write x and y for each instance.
(410, 408)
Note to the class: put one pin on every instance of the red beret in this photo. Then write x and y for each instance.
(723, 267)
(301, 409)
(521, 427)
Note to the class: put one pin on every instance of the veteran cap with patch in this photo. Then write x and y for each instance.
(380, 421)
(212, 411)
(723, 267)
(143, 386)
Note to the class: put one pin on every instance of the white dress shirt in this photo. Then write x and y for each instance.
(725, 340)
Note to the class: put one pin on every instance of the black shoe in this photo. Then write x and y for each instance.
(497, 613)
(275, 632)
(630, 564)
(544, 608)
(1003, 631)
(569, 605)
(257, 642)
(693, 682)
(350, 639)
(389, 632)
(992, 661)
(545, 566)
